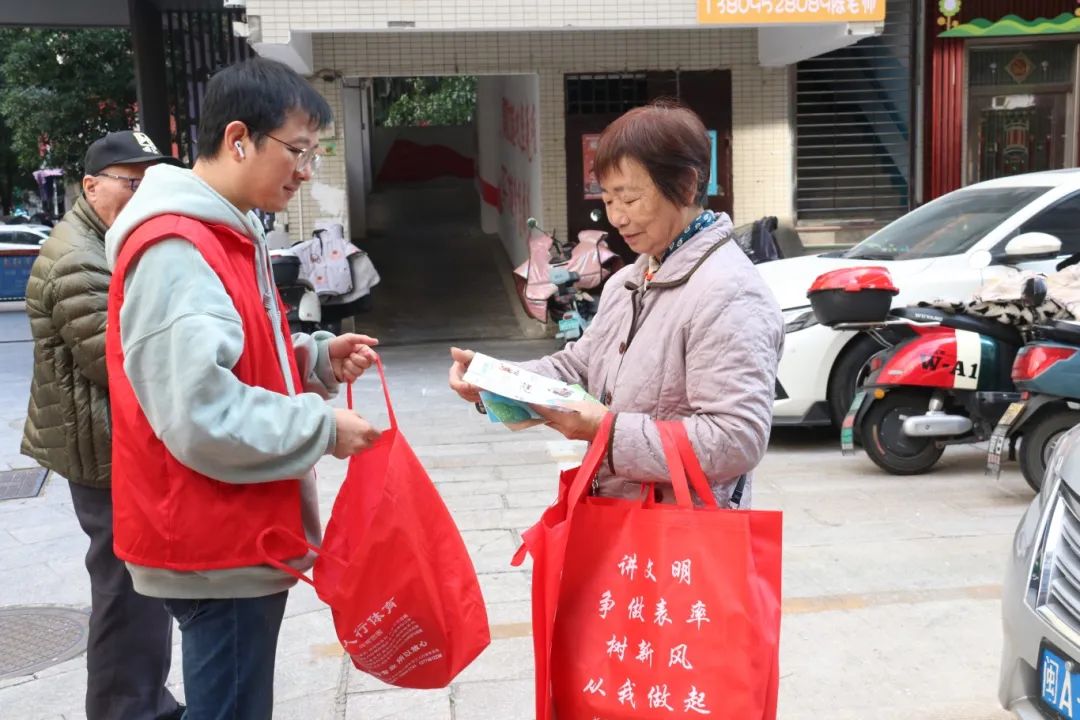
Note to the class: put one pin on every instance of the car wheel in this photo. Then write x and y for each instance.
(883, 437)
(1041, 435)
(848, 373)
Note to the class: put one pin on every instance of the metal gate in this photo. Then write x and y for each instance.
(854, 114)
(594, 100)
(197, 44)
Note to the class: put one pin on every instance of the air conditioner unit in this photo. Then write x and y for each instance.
(235, 4)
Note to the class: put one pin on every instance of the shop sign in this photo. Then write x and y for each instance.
(773, 12)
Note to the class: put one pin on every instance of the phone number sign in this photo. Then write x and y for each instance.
(771, 12)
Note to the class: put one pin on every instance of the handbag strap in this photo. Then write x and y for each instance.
(260, 543)
(386, 393)
(673, 434)
(677, 449)
(590, 465)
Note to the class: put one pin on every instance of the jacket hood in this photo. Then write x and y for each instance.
(171, 190)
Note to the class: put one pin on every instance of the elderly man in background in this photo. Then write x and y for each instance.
(68, 429)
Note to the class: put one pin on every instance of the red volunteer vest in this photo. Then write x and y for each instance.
(166, 515)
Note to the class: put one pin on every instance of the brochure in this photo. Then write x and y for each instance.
(507, 391)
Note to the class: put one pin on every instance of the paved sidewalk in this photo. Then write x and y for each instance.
(891, 584)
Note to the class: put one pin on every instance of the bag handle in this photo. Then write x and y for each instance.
(386, 393)
(673, 437)
(676, 447)
(590, 465)
(676, 469)
(260, 543)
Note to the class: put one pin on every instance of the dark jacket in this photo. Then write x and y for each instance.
(67, 424)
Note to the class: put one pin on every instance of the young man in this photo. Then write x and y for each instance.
(219, 415)
(129, 649)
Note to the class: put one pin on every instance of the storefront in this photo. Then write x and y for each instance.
(1002, 81)
(552, 76)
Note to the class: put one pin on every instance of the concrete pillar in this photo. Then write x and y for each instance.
(356, 159)
(488, 137)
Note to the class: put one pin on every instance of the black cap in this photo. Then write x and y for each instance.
(124, 148)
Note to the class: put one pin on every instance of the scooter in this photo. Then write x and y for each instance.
(307, 310)
(941, 379)
(302, 307)
(758, 240)
(336, 308)
(556, 279)
(1047, 372)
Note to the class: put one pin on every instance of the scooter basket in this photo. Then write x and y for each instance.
(852, 295)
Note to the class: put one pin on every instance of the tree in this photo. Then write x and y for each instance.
(431, 101)
(14, 184)
(62, 89)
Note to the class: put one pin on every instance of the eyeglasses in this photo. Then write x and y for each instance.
(308, 160)
(133, 182)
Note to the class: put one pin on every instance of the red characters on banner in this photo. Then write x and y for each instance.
(514, 194)
(519, 127)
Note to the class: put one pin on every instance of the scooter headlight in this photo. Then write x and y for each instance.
(799, 318)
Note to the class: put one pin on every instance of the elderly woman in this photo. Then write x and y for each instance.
(689, 332)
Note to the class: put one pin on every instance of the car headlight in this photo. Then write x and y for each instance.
(799, 318)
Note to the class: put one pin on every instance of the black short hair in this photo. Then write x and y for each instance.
(259, 93)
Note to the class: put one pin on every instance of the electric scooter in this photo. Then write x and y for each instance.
(555, 282)
(1047, 372)
(941, 378)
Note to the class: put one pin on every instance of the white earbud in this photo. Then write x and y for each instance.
(239, 149)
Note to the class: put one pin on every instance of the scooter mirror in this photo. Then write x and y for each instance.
(531, 222)
(596, 216)
(980, 259)
(1034, 292)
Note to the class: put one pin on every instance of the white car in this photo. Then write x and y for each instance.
(931, 254)
(28, 235)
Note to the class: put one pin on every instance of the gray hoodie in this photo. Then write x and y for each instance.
(181, 336)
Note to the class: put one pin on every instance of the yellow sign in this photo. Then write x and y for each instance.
(775, 12)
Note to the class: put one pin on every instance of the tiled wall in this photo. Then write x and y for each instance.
(281, 16)
(305, 207)
(762, 132)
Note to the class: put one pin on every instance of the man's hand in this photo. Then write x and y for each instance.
(580, 424)
(354, 434)
(351, 355)
(462, 358)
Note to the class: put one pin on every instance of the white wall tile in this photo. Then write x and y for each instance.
(762, 123)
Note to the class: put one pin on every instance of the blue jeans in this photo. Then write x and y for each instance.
(228, 649)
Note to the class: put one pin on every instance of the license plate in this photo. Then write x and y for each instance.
(999, 444)
(1059, 678)
(847, 429)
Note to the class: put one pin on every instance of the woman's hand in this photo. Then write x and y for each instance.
(462, 358)
(351, 355)
(580, 424)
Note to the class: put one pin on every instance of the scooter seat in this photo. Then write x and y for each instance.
(957, 321)
(1061, 331)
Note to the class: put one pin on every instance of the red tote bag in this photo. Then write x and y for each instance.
(394, 570)
(643, 610)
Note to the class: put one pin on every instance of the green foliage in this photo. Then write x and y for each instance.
(62, 89)
(419, 101)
